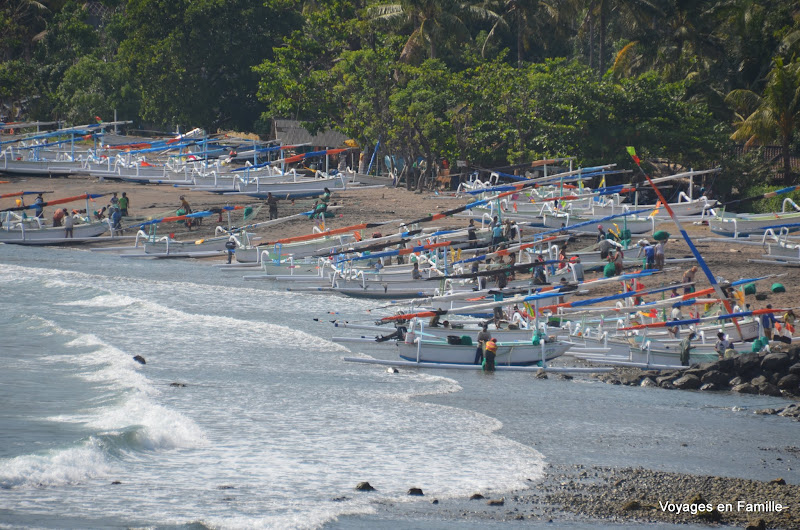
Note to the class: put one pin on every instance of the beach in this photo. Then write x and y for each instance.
(568, 452)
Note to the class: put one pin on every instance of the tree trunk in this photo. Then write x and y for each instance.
(601, 50)
(519, 37)
(787, 161)
(591, 43)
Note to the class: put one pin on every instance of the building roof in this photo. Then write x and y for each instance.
(291, 132)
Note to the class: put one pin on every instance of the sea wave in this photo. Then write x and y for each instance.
(56, 467)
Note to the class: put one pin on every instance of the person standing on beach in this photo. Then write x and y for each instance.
(38, 206)
(768, 323)
(688, 277)
(618, 263)
(649, 253)
(272, 202)
(489, 356)
(69, 222)
(123, 204)
(659, 255)
(114, 199)
(483, 337)
(686, 348)
(186, 211)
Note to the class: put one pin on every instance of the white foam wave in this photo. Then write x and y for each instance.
(57, 467)
(105, 301)
(160, 427)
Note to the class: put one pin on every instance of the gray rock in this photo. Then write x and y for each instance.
(745, 388)
(364, 486)
(665, 379)
(768, 389)
(416, 492)
(775, 362)
(795, 369)
(648, 382)
(687, 382)
(139, 359)
(476, 497)
(736, 381)
(711, 387)
(746, 362)
(715, 377)
(760, 380)
(792, 411)
(790, 382)
(630, 379)
(497, 502)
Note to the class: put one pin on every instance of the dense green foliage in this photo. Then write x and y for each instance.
(493, 82)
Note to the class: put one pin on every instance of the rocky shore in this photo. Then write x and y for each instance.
(773, 373)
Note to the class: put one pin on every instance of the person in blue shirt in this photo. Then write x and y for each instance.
(38, 206)
(649, 253)
(497, 235)
(768, 323)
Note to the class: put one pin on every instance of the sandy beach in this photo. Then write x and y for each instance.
(726, 261)
(609, 494)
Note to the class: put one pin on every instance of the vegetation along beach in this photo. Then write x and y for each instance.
(427, 264)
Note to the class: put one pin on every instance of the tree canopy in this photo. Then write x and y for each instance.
(493, 82)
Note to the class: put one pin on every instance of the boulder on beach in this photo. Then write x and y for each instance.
(364, 486)
(687, 382)
(775, 362)
(415, 492)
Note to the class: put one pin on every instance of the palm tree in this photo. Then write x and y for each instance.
(433, 22)
(773, 115)
(630, 15)
(531, 19)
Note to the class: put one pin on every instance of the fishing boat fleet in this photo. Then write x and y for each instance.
(508, 274)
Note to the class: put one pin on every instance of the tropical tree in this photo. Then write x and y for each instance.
(774, 115)
(432, 23)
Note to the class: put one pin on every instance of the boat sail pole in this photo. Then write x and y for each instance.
(703, 266)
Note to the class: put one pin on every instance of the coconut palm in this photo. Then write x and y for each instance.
(531, 19)
(433, 22)
(775, 115)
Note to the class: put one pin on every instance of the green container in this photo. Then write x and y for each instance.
(750, 288)
(609, 270)
(778, 288)
(661, 235)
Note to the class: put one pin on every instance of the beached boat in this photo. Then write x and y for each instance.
(33, 231)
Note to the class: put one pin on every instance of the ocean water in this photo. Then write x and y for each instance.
(272, 429)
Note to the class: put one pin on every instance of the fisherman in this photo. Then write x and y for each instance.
(497, 235)
(186, 211)
(116, 218)
(472, 235)
(577, 268)
(230, 246)
(415, 274)
(538, 271)
(601, 234)
(69, 222)
(686, 348)
(659, 255)
(483, 337)
(124, 203)
(788, 321)
(649, 253)
(768, 322)
(58, 217)
(604, 246)
(272, 202)
(688, 277)
(114, 199)
(618, 262)
(722, 346)
(491, 353)
(38, 206)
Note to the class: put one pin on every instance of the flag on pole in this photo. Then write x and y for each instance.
(632, 152)
(98, 119)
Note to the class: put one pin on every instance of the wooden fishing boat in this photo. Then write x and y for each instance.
(32, 231)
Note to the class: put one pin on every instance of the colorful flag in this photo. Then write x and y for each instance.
(632, 152)
(98, 119)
